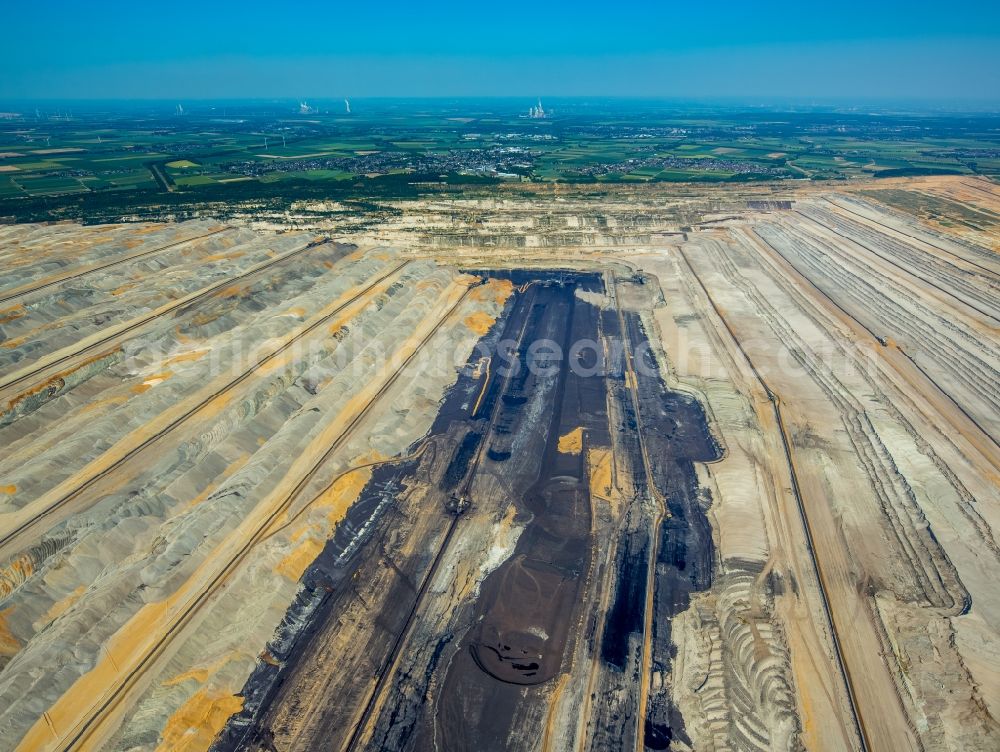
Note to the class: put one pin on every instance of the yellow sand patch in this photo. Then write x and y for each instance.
(121, 289)
(118, 399)
(12, 575)
(276, 364)
(233, 291)
(180, 335)
(18, 570)
(197, 722)
(226, 255)
(269, 659)
(572, 443)
(9, 644)
(486, 383)
(200, 497)
(599, 462)
(776, 154)
(304, 554)
(236, 464)
(156, 378)
(10, 344)
(199, 675)
(335, 501)
(338, 498)
(495, 290)
(217, 404)
(9, 168)
(370, 457)
(298, 312)
(9, 489)
(202, 673)
(62, 605)
(9, 314)
(554, 706)
(203, 319)
(185, 356)
(479, 322)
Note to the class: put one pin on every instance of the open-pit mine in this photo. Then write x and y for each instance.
(643, 467)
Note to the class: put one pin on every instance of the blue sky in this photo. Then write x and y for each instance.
(192, 50)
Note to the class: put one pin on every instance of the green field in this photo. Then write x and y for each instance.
(181, 164)
(112, 161)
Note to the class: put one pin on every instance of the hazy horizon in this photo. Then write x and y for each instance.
(579, 104)
(890, 51)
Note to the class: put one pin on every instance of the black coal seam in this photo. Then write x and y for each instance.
(677, 435)
(324, 580)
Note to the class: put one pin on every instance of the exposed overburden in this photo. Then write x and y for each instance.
(291, 489)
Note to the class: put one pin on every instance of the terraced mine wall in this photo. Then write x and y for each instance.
(185, 487)
(522, 425)
(288, 488)
(676, 433)
(327, 580)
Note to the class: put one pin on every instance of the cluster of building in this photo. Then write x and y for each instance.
(707, 164)
(498, 160)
